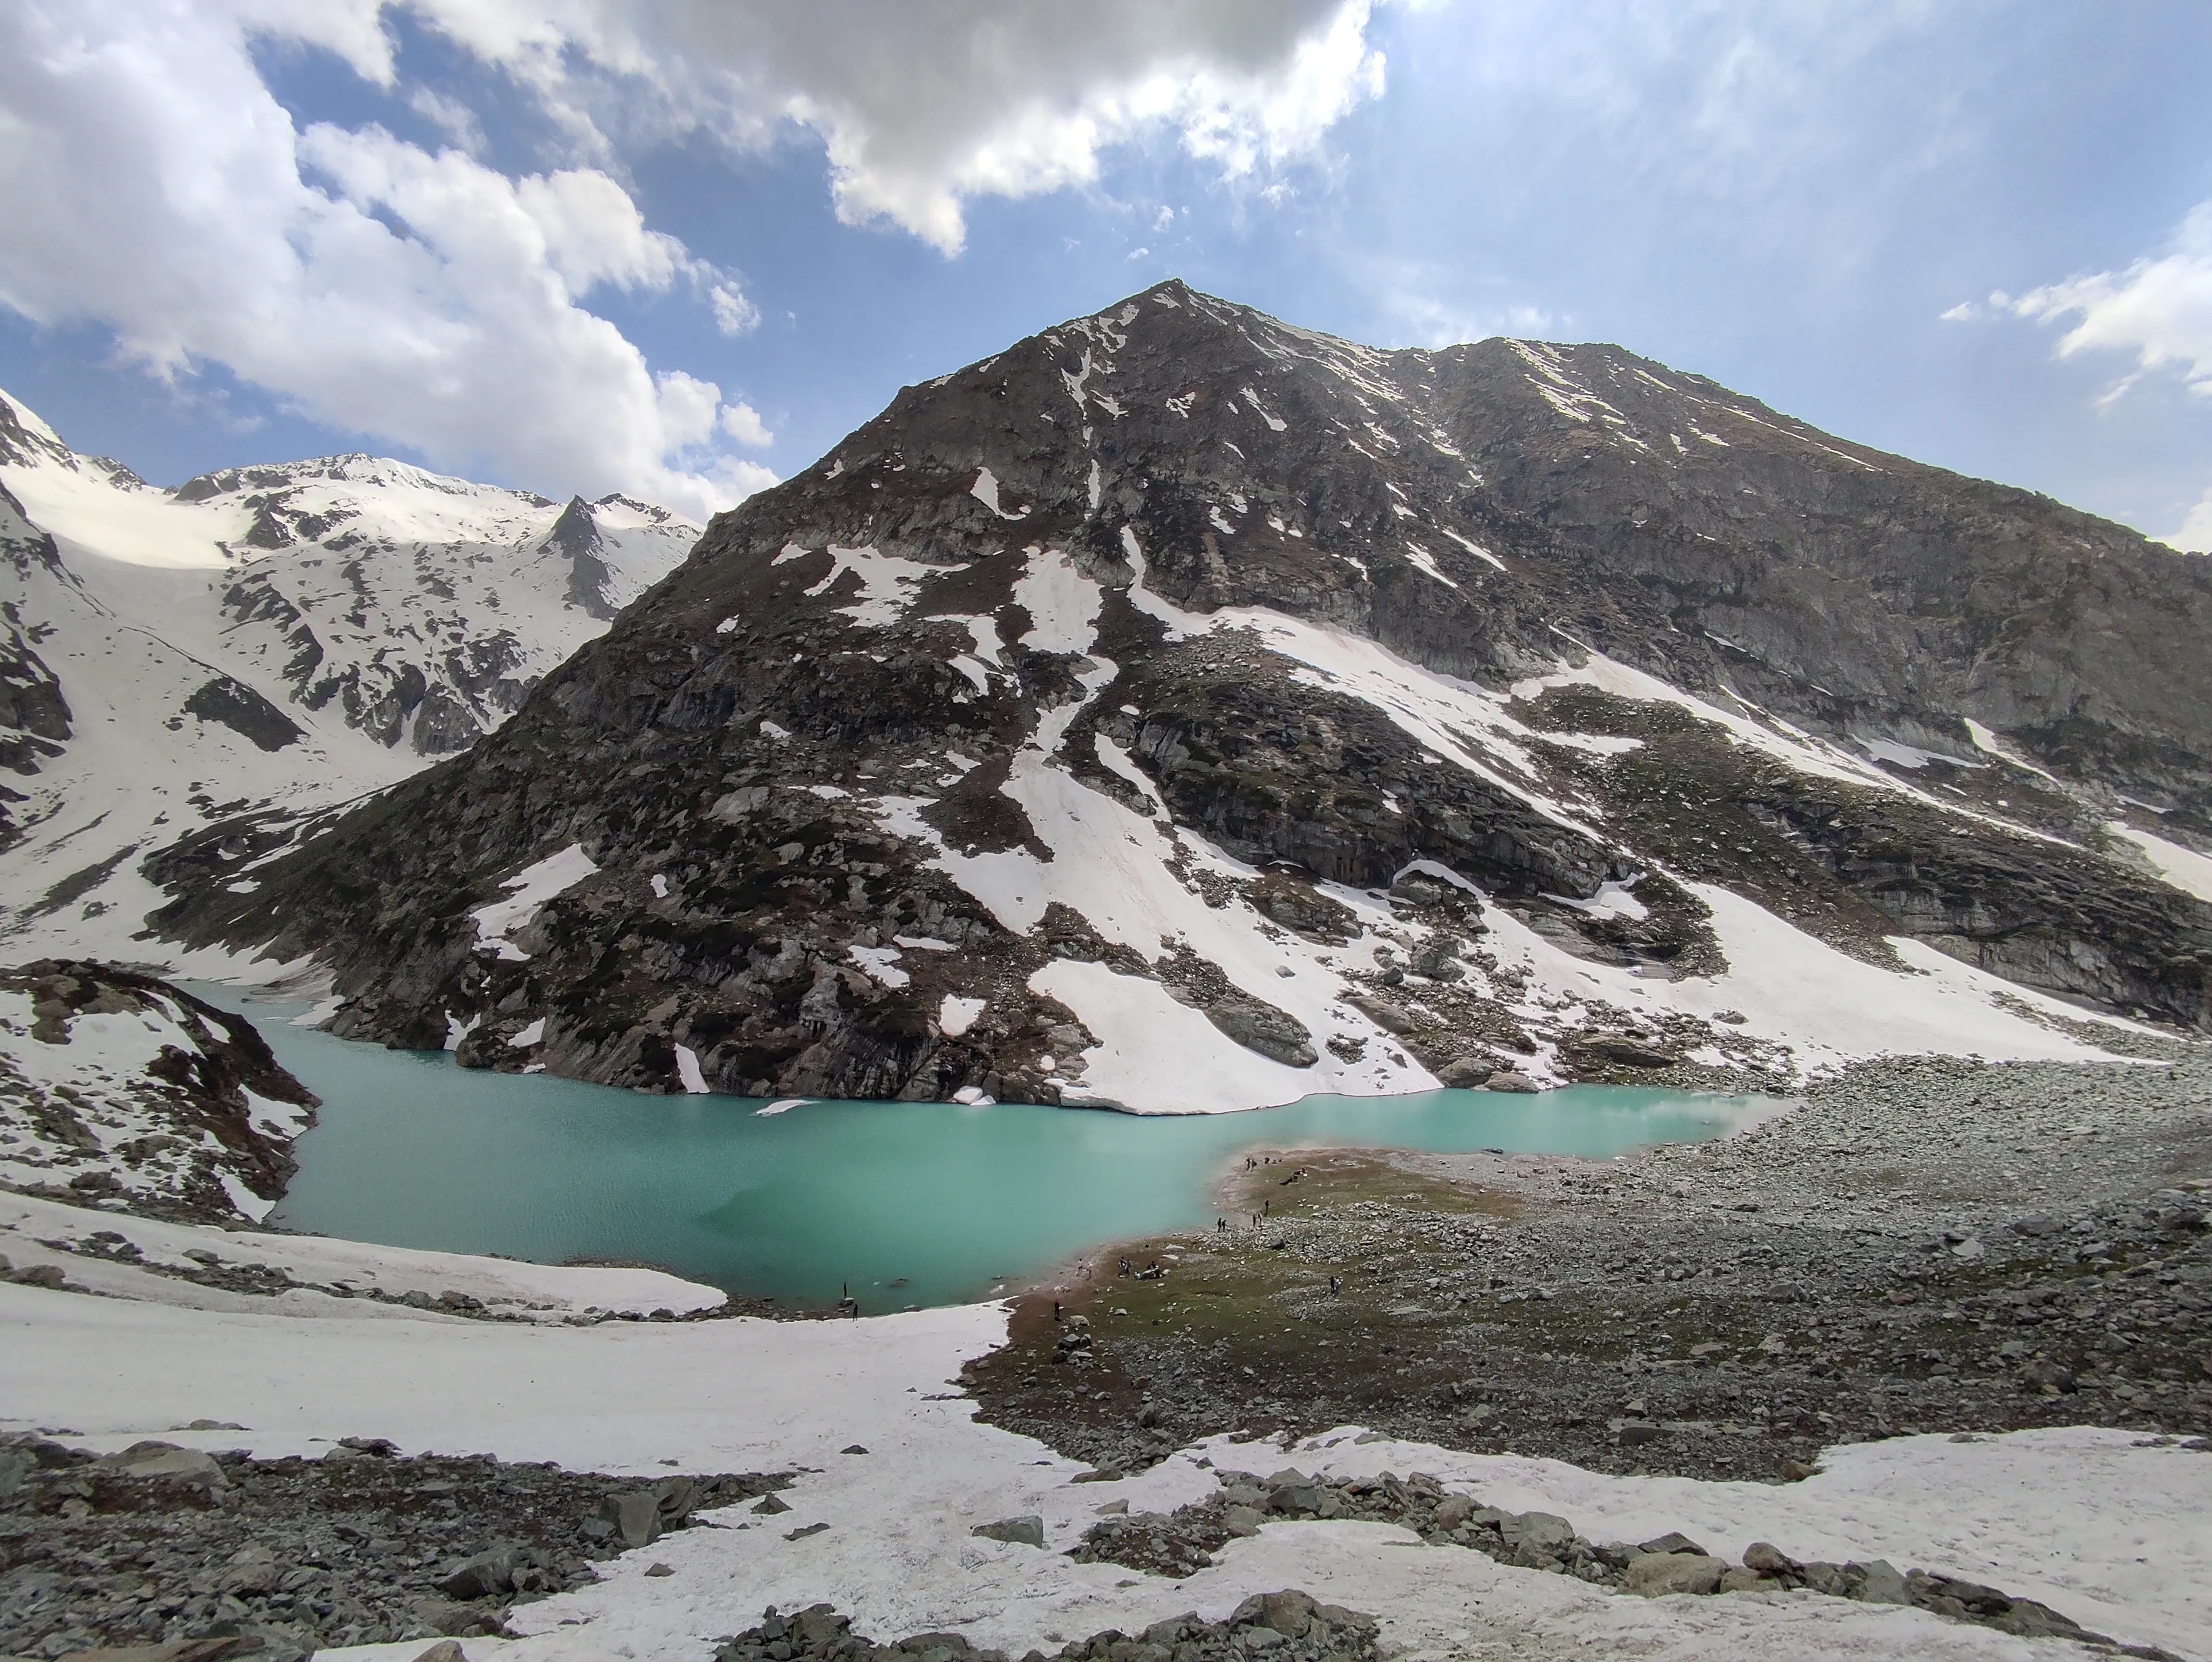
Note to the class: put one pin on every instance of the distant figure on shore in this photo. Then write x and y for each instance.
(1335, 1286)
(1055, 1303)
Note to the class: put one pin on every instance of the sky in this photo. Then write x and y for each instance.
(679, 251)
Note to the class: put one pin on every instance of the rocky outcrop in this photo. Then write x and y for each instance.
(118, 1090)
(1175, 642)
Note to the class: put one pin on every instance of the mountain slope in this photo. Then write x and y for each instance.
(260, 644)
(1186, 710)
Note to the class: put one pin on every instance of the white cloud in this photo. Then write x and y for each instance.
(151, 183)
(450, 116)
(2159, 309)
(734, 314)
(921, 108)
(1163, 219)
(742, 422)
(2195, 536)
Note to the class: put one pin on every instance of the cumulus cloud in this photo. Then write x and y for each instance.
(2195, 536)
(742, 422)
(150, 182)
(2158, 310)
(921, 108)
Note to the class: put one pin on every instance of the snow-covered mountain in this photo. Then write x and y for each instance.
(1186, 710)
(259, 644)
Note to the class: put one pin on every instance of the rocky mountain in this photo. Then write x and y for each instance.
(1181, 709)
(262, 642)
(121, 1091)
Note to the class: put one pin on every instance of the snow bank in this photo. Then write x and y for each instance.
(542, 1291)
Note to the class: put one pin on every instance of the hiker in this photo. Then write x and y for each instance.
(1055, 1303)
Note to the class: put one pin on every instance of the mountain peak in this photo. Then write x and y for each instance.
(1180, 709)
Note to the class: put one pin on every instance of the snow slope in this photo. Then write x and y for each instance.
(2110, 1531)
(262, 641)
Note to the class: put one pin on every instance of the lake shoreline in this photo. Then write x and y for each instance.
(1923, 1244)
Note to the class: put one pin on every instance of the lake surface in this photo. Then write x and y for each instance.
(908, 1203)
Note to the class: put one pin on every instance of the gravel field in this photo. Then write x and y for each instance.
(1920, 1244)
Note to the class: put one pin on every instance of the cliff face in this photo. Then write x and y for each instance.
(1182, 708)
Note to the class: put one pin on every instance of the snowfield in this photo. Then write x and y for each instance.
(2116, 1533)
(355, 616)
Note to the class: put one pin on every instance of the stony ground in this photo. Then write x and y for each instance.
(1181, 1543)
(164, 1544)
(1290, 1626)
(1923, 1246)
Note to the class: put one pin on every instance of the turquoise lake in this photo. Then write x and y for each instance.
(908, 1203)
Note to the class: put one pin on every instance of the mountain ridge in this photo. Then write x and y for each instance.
(258, 642)
(1178, 679)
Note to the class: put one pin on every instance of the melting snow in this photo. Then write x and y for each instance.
(527, 889)
(882, 963)
(687, 1073)
(887, 583)
(956, 1015)
(1426, 563)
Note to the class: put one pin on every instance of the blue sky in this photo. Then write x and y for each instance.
(567, 244)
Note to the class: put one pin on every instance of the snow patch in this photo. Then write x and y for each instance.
(2183, 868)
(986, 491)
(956, 1015)
(527, 889)
(687, 1072)
(882, 963)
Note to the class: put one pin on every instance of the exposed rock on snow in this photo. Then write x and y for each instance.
(118, 1090)
(1191, 806)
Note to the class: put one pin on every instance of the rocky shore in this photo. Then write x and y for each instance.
(1920, 1245)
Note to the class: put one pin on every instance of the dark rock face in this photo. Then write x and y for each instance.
(1230, 576)
(183, 1139)
(245, 712)
(1846, 589)
(576, 536)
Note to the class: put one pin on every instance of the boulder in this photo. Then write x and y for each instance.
(1465, 1073)
(1510, 1080)
(166, 1463)
(1023, 1531)
(1877, 1583)
(1260, 1026)
(1768, 1559)
(1289, 1614)
(1390, 1018)
(1624, 1052)
(490, 1572)
(1539, 1532)
(1654, 1575)
(635, 1516)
